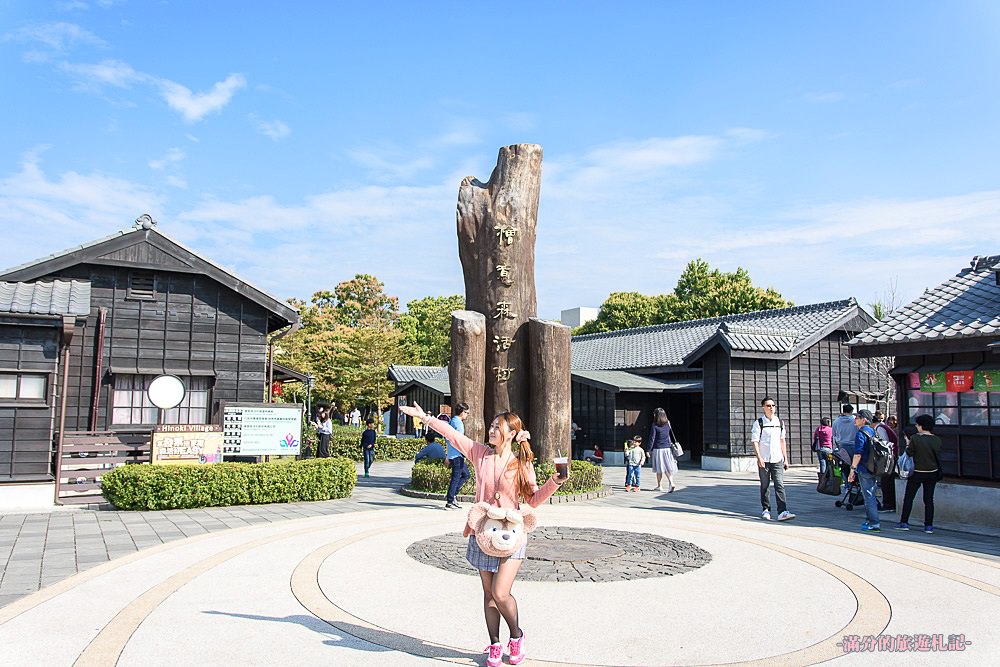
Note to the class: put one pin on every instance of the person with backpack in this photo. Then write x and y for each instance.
(888, 482)
(768, 438)
(844, 429)
(863, 456)
(925, 448)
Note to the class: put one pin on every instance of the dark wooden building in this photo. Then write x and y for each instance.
(714, 373)
(157, 307)
(425, 385)
(37, 323)
(946, 350)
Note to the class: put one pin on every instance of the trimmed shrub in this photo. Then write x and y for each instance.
(163, 487)
(434, 477)
(346, 442)
(584, 477)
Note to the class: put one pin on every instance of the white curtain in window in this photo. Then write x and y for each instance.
(132, 404)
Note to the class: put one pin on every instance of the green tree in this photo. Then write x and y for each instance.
(349, 337)
(701, 292)
(622, 310)
(426, 326)
(358, 300)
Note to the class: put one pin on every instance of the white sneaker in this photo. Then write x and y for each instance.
(765, 515)
(786, 516)
(657, 488)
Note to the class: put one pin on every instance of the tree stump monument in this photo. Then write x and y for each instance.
(503, 356)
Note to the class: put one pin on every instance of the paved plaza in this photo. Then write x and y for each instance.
(689, 578)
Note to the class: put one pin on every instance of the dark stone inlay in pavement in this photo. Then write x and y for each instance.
(576, 554)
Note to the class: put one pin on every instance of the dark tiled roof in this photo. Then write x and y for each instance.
(434, 378)
(779, 331)
(96, 252)
(758, 339)
(625, 381)
(966, 306)
(404, 374)
(58, 297)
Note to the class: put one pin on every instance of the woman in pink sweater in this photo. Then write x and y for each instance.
(505, 477)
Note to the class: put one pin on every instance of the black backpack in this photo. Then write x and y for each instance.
(881, 462)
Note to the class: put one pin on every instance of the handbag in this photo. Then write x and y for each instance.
(829, 483)
(677, 449)
(905, 465)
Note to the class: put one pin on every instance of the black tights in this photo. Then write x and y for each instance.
(497, 600)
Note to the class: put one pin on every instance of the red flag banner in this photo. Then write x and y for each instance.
(959, 380)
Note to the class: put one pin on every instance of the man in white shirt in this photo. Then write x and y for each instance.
(768, 437)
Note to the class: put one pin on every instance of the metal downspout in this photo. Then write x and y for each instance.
(68, 329)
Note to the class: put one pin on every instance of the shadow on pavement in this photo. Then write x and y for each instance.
(370, 639)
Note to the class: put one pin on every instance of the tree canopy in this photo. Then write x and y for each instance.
(701, 292)
(351, 334)
(426, 327)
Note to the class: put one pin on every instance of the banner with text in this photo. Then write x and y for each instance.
(187, 444)
(261, 429)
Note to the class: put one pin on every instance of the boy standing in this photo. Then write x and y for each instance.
(635, 456)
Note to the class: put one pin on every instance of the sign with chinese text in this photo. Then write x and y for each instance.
(187, 444)
(958, 380)
(261, 429)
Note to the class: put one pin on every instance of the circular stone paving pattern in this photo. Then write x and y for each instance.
(576, 554)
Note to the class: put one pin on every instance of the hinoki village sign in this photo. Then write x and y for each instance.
(503, 357)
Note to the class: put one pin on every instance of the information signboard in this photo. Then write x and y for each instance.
(261, 429)
(186, 444)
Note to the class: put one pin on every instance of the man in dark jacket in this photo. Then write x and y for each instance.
(368, 438)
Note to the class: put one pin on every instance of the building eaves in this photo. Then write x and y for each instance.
(965, 306)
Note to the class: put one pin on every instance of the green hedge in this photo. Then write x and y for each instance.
(346, 442)
(434, 477)
(163, 487)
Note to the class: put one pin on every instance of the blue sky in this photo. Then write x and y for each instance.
(832, 149)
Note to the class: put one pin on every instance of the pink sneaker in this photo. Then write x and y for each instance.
(515, 647)
(495, 657)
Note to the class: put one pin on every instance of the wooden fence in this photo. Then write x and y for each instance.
(87, 456)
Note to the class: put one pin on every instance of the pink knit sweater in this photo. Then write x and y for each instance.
(487, 466)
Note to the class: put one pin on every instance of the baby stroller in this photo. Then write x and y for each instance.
(852, 490)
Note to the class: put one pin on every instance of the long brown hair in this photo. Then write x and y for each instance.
(660, 415)
(524, 454)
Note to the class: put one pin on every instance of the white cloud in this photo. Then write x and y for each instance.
(195, 106)
(387, 163)
(631, 231)
(57, 37)
(748, 135)
(275, 129)
(72, 208)
(173, 156)
(105, 73)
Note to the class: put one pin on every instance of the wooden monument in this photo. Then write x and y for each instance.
(503, 357)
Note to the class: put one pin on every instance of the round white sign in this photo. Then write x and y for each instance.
(166, 391)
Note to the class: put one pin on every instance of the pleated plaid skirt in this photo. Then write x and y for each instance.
(481, 560)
